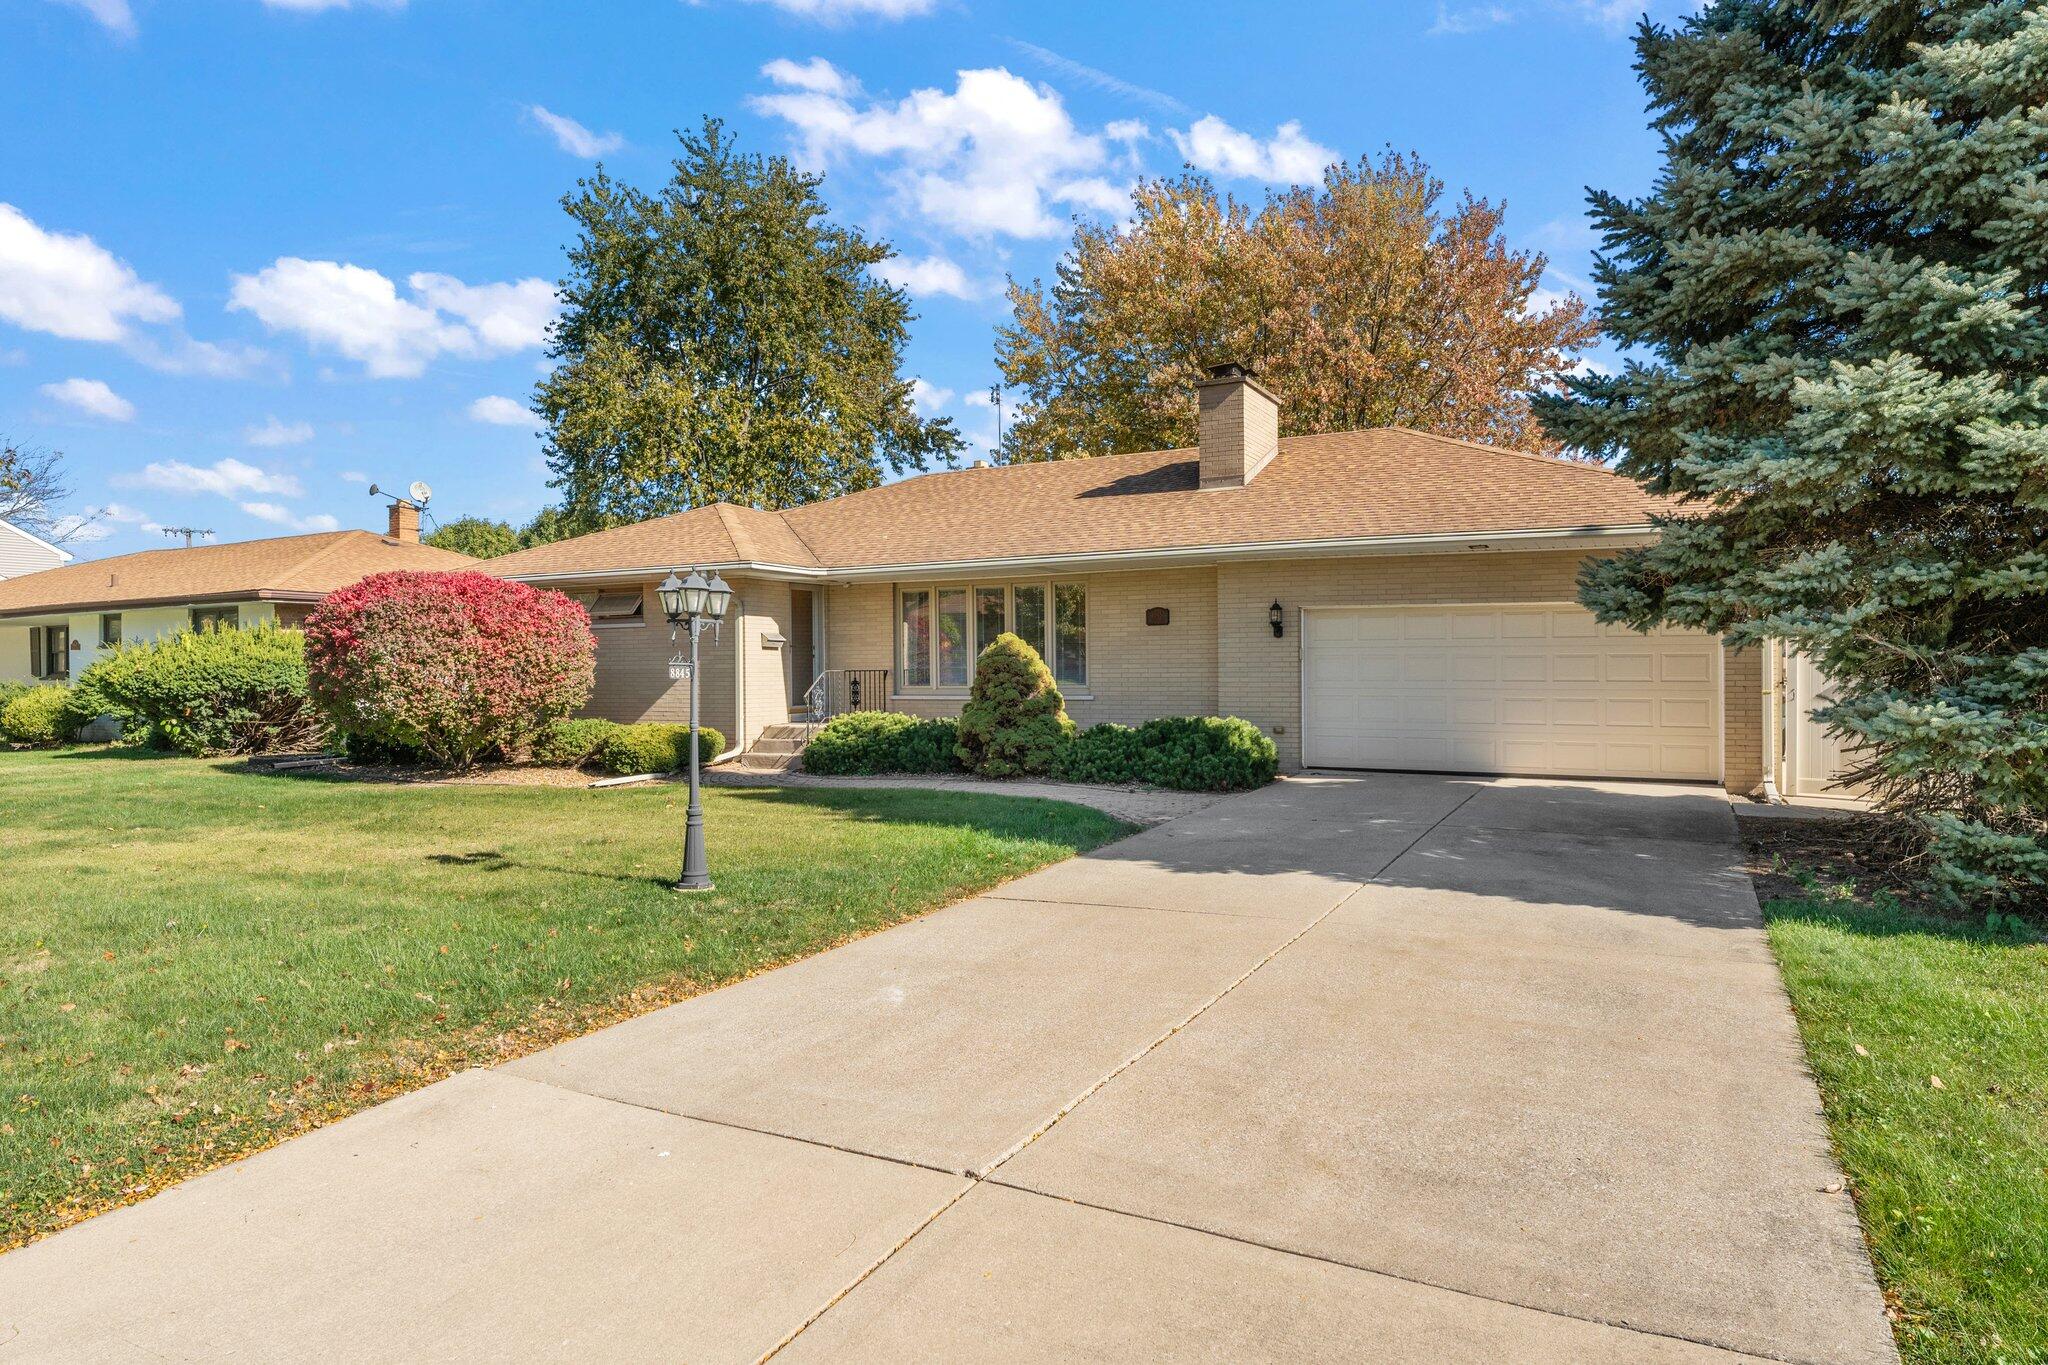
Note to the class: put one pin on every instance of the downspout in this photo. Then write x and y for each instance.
(1774, 719)
(739, 689)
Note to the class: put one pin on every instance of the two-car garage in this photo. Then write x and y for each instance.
(1540, 689)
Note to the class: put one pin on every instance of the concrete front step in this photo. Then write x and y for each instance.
(777, 746)
(792, 730)
(755, 762)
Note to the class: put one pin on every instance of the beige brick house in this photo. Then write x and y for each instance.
(1372, 599)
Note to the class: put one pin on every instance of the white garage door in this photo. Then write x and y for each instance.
(1534, 689)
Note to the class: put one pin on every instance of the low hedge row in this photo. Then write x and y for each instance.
(1190, 753)
(867, 742)
(622, 750)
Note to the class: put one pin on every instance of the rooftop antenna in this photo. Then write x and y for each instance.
(995, 396)
(417, 495)
(189, 532)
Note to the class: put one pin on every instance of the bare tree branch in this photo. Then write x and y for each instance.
(32, 484)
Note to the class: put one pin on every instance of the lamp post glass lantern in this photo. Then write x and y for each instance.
(696, 603)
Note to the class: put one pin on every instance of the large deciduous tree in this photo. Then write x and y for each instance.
(1835, 289)
(1362, 300)
(721, 340)
(477, 537)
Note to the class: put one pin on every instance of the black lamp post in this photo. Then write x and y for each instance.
(695, 603)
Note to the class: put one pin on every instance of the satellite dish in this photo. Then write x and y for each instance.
(420, 492)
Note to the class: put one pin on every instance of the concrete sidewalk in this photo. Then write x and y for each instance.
(1393, 1067)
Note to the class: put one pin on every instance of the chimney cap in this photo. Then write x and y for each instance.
(1232, 369)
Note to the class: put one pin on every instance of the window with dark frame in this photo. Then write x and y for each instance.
(615, 608)
(110, 628)
(216, 618)
(49, 651)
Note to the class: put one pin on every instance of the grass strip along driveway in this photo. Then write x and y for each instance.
(196, 961)
(1930, 1042)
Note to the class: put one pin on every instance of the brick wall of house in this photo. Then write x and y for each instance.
(632, 673)
(1135, 671)
(1742, 744)
(766, 696)
(1218, 656)
(1259, 677)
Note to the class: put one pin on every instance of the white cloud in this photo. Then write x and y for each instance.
(112, 15)
(1100, 79)
(230, 478)
(70, 286)
(929, 398)
(284, 516)
(358, 312)
(76, 529)
(505, 317)
(97, 523)
(354, 476)
(926, 275)
(992, 156)
(845, 11)
(1288, 157)
(1470, 18)
(91, 396)
(274, 433)
(571, 136)
(816, 75)
(501, 412)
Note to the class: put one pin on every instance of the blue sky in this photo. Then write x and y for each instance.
(255, 254)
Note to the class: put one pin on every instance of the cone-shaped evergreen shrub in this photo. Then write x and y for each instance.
(1015, 721)
(1838, 294)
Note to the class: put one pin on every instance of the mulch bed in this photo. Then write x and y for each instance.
(1857, 854)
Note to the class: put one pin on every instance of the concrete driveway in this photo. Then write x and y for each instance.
(1386, 1066)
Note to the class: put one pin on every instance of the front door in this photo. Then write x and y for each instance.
(803, 650)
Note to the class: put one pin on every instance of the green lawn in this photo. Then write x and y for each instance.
(1951, 1179)
(196, 961)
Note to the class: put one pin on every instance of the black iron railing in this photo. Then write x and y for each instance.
(840, 690)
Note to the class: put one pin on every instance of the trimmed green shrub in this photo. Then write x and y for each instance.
(866, 742)
(10, 690)
(1015, 721)
(90, 700)
(630, 749)
(38, 716)
(1191, 753)
(1107, 753)
(1205, 753)
(570, 743)
(235, 691)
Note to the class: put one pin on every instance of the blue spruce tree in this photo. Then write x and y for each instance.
(1835, 295)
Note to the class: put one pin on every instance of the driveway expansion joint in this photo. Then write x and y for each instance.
(987, 1172)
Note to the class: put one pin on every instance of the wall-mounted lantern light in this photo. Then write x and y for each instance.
(1278, 618)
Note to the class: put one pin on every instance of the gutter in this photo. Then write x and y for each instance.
(1272, 549)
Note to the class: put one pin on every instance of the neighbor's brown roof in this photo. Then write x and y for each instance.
(293, 568)
(1384, 482)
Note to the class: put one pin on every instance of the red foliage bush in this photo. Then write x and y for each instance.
(451, 665)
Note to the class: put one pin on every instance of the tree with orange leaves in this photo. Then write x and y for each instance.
(1361, 300)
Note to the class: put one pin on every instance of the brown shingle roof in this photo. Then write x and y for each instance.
(289, 567)
(1387, 482)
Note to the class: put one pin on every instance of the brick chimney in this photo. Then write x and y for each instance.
(405, 522)
(1238, 425)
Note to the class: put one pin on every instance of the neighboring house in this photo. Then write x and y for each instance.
(54, 624)
(22, 553)
(1371, 599)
